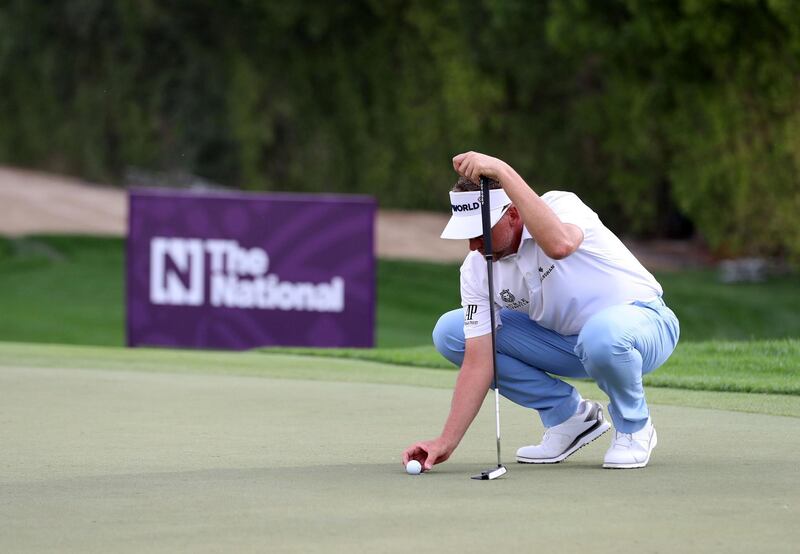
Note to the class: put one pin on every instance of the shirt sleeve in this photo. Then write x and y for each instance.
(570, 209)
(475, 299)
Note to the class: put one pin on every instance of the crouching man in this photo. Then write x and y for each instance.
(570, 301)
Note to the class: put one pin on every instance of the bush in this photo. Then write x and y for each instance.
(703, 96)
(652, 112)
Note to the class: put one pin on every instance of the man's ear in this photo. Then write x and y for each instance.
(513, 213)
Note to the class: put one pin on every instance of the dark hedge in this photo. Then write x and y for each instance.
(666, 117)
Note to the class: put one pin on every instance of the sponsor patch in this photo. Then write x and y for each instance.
(544, 273)
(518, 304)
(506, 296)
(465, 207)
(469, 311)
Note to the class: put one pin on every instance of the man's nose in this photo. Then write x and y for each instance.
(475, 244)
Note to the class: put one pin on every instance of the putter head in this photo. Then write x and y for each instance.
(490, 474)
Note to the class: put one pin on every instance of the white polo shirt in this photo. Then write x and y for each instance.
(557, 294)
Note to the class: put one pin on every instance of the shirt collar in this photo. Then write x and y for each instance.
(526, 235)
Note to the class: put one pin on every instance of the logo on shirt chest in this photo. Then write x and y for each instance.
(509, 299)
(543, 274)
(506, 296)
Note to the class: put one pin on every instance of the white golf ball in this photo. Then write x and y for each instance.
(413, 467)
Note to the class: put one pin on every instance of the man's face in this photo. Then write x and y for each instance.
(506, 235)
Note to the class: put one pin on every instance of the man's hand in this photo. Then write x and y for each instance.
(557, 239)
(473, 164)
(472, 383)
(427, 453)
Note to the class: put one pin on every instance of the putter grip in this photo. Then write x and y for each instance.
(486, 218)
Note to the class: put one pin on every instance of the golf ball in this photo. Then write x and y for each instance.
(413, 467)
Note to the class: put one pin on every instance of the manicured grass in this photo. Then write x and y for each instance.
(70, 289)
(276, 365)
(708, 309)
(109, 449)
(62, 289)
(411, 297)
(768, 366)
(771, 366)
(418, 293)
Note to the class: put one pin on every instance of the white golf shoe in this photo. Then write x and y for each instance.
(565, 438)
(631, 450)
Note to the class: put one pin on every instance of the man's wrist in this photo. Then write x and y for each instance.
(505, 173)
(508, 177)
(448, 442)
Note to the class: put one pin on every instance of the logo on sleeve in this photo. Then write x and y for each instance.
(469, 312)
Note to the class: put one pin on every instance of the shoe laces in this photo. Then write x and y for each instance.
(623, 439)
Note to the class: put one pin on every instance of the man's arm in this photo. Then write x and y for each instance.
(473, 381)
(557, 239)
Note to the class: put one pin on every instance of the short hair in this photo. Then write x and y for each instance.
(466, 185)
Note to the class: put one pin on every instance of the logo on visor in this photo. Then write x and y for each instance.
(465, 207)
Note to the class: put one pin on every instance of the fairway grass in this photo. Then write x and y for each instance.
(70, 290)
(316, 368)
(768, 366)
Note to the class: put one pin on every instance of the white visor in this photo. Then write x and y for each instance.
(466, 222)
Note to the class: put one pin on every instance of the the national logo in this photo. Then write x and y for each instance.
(224, 274)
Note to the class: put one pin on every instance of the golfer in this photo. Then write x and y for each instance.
(570, 301)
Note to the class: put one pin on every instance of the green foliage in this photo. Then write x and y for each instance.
(702, 96)
(309, 96)
(651, 111)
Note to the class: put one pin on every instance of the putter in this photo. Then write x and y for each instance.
(495, 472)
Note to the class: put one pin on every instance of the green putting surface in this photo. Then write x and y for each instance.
(130, 461)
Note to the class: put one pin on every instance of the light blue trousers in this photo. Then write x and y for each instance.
(615, 348)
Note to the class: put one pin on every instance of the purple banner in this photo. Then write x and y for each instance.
(237, 271)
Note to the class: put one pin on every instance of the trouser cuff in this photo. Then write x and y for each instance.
(562, 412)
